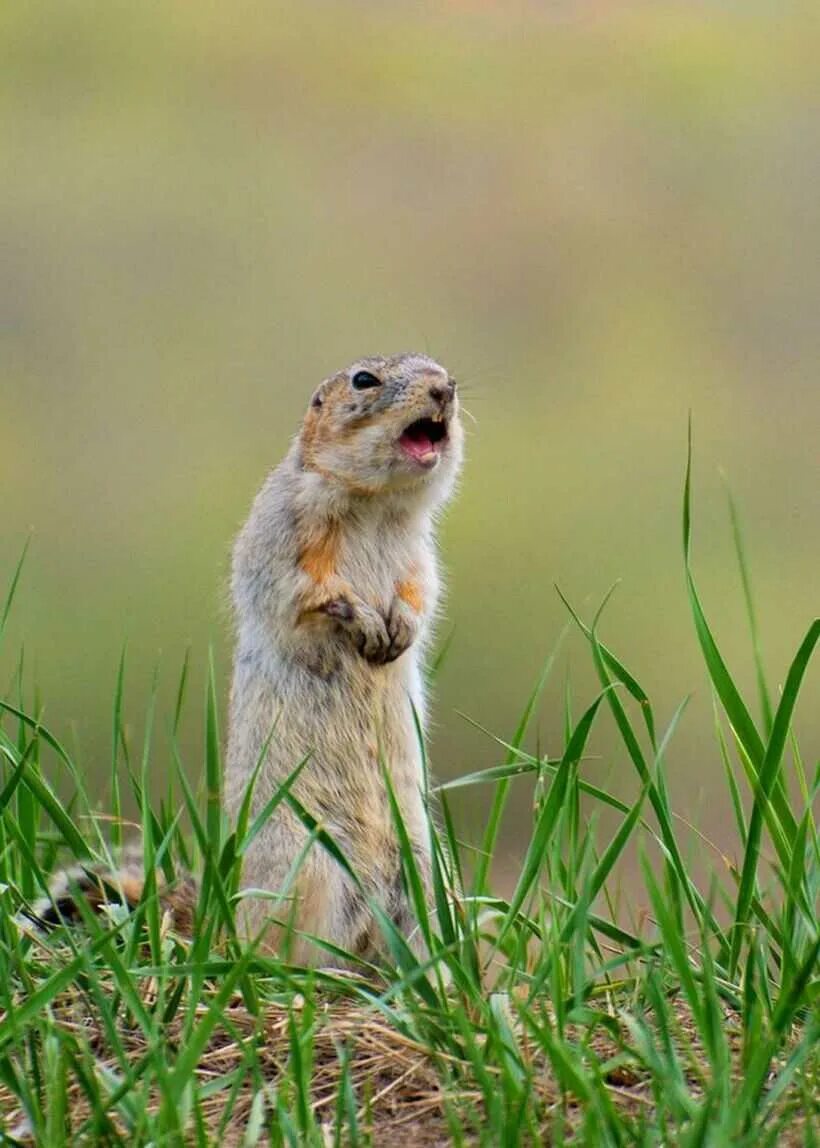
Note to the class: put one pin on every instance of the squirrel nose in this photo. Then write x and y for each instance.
(442, 392)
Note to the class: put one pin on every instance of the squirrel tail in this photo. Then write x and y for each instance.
(100, 886)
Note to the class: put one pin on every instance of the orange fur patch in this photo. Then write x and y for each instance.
(131, 886)
(318, 559)
(310, 429)
(318, 425)
(321, 428)
(410, 592)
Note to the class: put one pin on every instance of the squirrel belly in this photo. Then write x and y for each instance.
(335, 587)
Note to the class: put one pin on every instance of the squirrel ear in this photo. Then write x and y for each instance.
(317, 400)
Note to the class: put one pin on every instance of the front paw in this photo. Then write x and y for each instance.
(371, 635)
(402, 628)
(364, 624)
(377, 638)
(341, 609)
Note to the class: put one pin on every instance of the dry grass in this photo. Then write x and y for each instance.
(405, 1090)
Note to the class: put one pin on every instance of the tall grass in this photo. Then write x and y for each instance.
(540, 1016)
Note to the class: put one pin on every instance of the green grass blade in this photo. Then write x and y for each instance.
(500, 798)
(116, 737)
(751, 615)
(548, 817)
(12, 590)
(616, 667)
(213, 765)
(739, 717)
(767, 779)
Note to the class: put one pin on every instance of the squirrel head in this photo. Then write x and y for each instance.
(386, 424)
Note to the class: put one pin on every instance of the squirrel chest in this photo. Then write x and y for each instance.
(374, 557)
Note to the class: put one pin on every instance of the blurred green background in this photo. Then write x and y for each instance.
(600, 216)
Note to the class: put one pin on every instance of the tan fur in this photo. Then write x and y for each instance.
(359, 489)
(335, 587)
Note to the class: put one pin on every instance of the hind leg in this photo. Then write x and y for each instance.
(320, 903)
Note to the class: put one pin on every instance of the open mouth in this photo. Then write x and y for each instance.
(423, 441)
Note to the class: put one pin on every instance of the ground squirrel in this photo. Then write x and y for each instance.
(335, 585)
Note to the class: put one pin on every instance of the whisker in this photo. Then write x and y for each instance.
(487, 372)
(470, 415)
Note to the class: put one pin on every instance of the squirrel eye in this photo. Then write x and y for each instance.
(364, 379)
